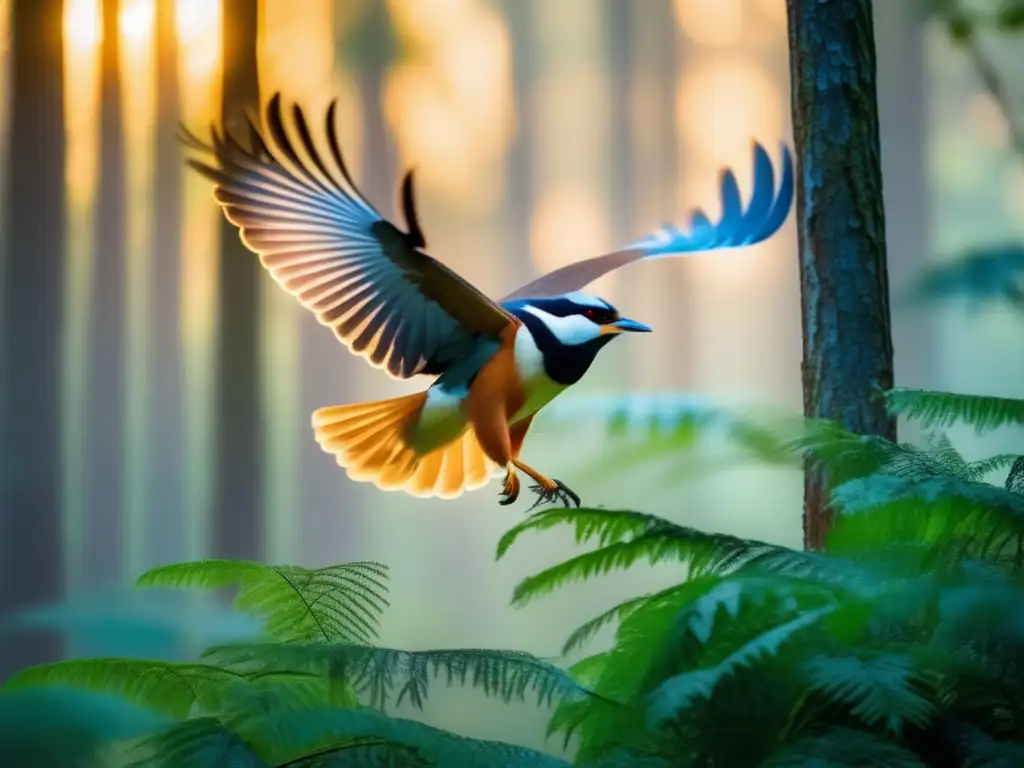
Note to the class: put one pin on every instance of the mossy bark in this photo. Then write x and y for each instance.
(843, 273)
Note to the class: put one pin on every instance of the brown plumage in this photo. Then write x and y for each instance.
(296, 205)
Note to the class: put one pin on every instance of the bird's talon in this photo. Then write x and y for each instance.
(509, 490)
(560, 493)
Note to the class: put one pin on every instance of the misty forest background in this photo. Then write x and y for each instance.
(157, 386)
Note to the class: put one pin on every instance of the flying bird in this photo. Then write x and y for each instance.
(495, 363)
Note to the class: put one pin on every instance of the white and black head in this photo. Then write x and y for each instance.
(570, 330)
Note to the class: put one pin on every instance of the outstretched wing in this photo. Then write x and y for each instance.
(763, 216)
(325, 244)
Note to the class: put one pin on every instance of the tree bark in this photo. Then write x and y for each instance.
(167, 541)
(104, 529)
(238, 515)
(32, 303)
(843, 273)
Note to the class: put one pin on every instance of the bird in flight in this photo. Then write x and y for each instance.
(495, 363)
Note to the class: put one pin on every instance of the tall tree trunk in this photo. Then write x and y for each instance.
(166, 541)
(843, 273)
(238, 515)
(104, 529)
(34, 266)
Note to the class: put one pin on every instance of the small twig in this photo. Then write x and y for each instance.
(996, 87)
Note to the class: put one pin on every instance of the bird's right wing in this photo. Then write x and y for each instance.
(738, 226)
(325, 244)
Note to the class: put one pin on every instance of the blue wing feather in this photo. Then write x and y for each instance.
(762, 218)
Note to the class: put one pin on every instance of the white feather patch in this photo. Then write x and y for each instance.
(571, 330)
(538, 388)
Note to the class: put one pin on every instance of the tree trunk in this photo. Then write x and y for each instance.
(238, 515)
(34, 266)
(166, 541)
(843, 274)
(104, 529)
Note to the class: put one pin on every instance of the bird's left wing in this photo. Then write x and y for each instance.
(325, 244)
(738, 226)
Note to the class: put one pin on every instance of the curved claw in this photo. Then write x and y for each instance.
(509, 490)
(560, 493)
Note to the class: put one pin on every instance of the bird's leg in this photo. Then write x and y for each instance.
(510, 486)
(548, 489)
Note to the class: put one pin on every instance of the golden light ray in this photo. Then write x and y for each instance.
(138, 79)
(81, 94)
(449, 103)
(570, 168)
(710, 22)
(296, 57)
(199, 34)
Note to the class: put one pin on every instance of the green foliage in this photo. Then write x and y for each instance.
(338, 603)
(901, 645)
(292, 698)
(936, 410)
(62, 727)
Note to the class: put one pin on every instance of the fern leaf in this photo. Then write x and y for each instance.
(627, 537)
(302, 731)
(981, 467)
(943, 409)
(198, 743)
(606, 525)
(838, 747)
(983, 274)
(385, 672)
(340, 603)
(882, 510)
(882, 688)
(1015, 478)
(58, 727)
(171, 688)
(585, 631)
(677, 693)
(983, 751)
(621, 672)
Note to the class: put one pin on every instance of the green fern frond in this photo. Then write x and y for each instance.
(385, 672)
(620, 672)
(1015, 478)
(60, 727)
(981, 467)
(317, 729)
(983, 751)
(340, 603)
(882, 510)
(171, 688)
(623, 610)
(943, 409)
(885, 688)
(199, 743)
(677, 693)
(839, 747)
(983, 274)
(626, 537)
(606, 525)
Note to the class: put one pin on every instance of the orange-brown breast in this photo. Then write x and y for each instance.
(496, 394)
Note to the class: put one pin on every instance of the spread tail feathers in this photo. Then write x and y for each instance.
(368, 441)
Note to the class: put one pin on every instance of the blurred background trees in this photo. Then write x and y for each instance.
(542, 132)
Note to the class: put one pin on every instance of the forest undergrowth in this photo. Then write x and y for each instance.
(900, 645)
